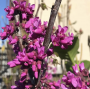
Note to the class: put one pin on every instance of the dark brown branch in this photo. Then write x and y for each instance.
(17, 19)
(54, 12)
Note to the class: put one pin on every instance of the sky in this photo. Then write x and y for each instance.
(3, 5)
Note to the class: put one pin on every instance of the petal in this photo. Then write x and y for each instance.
(24, 16)
(38, 31)
(13, 41)
(13, 87)
(75, 69)
(27, 25)
(23, 74)
(36, 74)
(81, 66)
(11, 11)
(11, 64)
(39, 66)
(65, 28)
(33, 67)
(63, 86)
(32, 6)
(74, 82)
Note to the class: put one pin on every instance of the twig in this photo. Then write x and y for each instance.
(54, 12)
(38, 8)
(41, 13)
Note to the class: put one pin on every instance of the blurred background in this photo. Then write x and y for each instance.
(72, 13)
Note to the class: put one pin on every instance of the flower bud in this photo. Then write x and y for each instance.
(34, 66)
(17, 23)
(11, 64)
(39, 64)
(36, 73)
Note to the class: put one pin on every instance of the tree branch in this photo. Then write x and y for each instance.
(54, 12)
(38, 8)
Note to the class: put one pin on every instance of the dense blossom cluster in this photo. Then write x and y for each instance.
(77, 79)
(32, 55)
(26, 12)
(59, 38)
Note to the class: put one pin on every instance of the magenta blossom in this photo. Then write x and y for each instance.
(81, 66)
(59, 38)
(75, 69)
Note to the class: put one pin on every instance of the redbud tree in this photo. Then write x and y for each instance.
(32, 50)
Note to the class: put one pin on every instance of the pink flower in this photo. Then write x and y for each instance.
(24, 16)
(59, 38)
(41, 55)
(3, 35)
(15, 40)
(11, 64)
(74, 82)
(13, 87)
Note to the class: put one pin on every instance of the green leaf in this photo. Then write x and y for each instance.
(86, 64)
(72, 50)
(43, 6)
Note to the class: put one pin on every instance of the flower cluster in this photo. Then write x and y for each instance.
(59, 38)
(74, 80)
(8, 30)
(33, 53)
(26, 11)
(77, 79)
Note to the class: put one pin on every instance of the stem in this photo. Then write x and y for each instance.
(54, 12)
(80, 54)
(17, 19)
(38, 8)
(62, 66)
